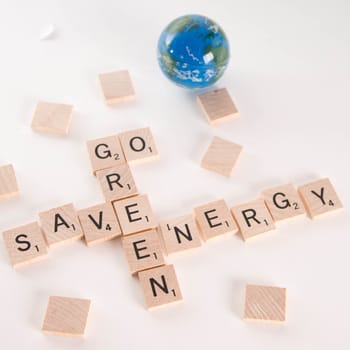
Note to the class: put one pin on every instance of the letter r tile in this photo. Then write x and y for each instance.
(253, 218)
(117, 182)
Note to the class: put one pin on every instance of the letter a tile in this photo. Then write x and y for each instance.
(60, 224)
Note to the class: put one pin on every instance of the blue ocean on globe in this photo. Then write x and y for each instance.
(193, 51)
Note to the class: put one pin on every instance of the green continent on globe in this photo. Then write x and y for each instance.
(169, 63)
(193, 51)
(179, 25)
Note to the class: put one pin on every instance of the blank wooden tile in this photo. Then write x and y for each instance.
(283, 202)
(264, 303)
(117, 182)
(253, 218)
(105, 153)
(180, 233)
(135, 214)
(52, 118)
(99, 223)
(143, 251)
(8, 182)
(60, 224)
(221, 156)
(160, 286)
(66, 316)
(25, 244)
(138, 145)
(218, 106)
(117, 86)
(320, 197)
(215, 219)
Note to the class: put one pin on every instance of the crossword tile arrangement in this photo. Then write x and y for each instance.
(129, 215)
(145, 239)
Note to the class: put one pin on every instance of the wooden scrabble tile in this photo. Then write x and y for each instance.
(135, 214)
(143, 251)
(105, 153)
(180, 234)
(117, 87)
(160, 286)
(25, 244)
(66, 316)
(320, 197)
(218, 106)
(138, 145)
(117, 182)
(8, 182)
(215, 219)
(264, 303)
(60, 224)
(253, 218)
(52, 118)
(99, 223)
(283, 202)
(221, 156)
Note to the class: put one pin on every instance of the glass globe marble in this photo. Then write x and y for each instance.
(193, 51)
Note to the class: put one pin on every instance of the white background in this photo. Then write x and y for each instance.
(289, 75)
